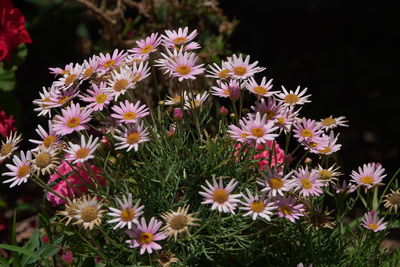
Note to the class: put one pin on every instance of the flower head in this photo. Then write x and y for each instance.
(82, 152)
(241, 69)
(262, 89)
(275, 183)
(371, 222)
(147, 45)
(49, 138)
(72, 119)
(98, 97)
(331, 123)
(107, 61)
(291, 98)
(178, 222)
(288, 209)
(307, 182)
(9, 145)
(127, 112)
(257, 206)
(368, 175)
(128, 213)
(89, 212)
(184, 66)
(392, 200)
(179, 39)
(130, 136)
(20, 171)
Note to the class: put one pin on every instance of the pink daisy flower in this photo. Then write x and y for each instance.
(231, 89)
(69, 79)
(60, 71)
(107, 61)
(307, 182)
(147, 45)
(238, 133)
(20, 171)
(72, 119)
(128, 213)
(257, 206)
(184, 66)
(176, 39)
(368, 175)
(61, 98)
(275, 183)
(269, 106)
(131, 136)
(285, 120)
(44, 102)
(120, 82)
(89, 67)
(317, 144)
(291, 98)
(144, 236)
(262, 89)
(98, 97)
(241, 69)
(331, 146)
(344, 187)
(219, 196)
(258, 129)
(128, 113)
(371, 222)
(288, 209)
(217, 72)
(306, 130)
(48, 139)
(140, 71)
(82, 152)
(331, 123)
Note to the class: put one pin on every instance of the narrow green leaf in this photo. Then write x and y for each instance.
(19, 250)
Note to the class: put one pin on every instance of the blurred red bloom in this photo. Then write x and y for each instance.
(263, 154)
(6, 124)
(73, 181)
(12, 29)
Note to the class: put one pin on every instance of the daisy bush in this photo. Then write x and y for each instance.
(150, 157)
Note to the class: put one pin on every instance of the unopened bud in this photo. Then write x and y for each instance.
(223, 110)
(308, 161)
(177, 114)
(232, 115)
(161, 102)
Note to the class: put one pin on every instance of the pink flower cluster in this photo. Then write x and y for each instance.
(6, 124)
(264, 153)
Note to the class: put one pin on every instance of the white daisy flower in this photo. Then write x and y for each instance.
(257, 206)
(128, 214)
(82, 152)
(20, 171)
(291, 98)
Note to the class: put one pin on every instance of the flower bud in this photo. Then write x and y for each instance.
(223, 110)
(68, 257)
(177, 114)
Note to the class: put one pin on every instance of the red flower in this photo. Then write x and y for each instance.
(12, 29)
(75, 181)
(6, 124)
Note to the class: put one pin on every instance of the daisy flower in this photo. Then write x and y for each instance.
(331, 123)
(371, 222)
(147, 45)
(44, 102)
(167, 58)
(275, 183)
(98, 97)
(392, 200)
(107, 61)
(184, 66)
(175, 39)
(368, 175)
(140, 72)
(89, 67)
(328, 174)
(131, 136)
(262, 89)
(269, 106)
(59, 98)
(120, 82)
(285, 120)
(219, 196)
(307, 182)
(128, 113)
(344, 187)
(241, 69)
(217, 72)
(306, 130)
(69, 79)
(175, 100)
(259, 129)
(48, 139)
(88, 212)
(291, 98)
(256, 206)
(70, 211)
(127, 215)
(231, 89)
(145, 235)
(45, 160)
(9, 145)
(178, 222)
(60, 71)
(288, 209)
(20, 171)
(317, 144)
(72, 119)
(331, 146)
(165, 259)
(237, 133)
(196, 102)
(82, 152)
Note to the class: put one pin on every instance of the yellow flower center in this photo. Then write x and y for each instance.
(312, 144)
(325, 174)
(147, 49)
(70, 79)
(220, 196)
(73, 122)
(63, 99)
(23, 171)
(63, 72)
(291, 99)
(109, 63)
(281, 121)
(223, 74)
(89, 214)
(325, 150)
(176, 99)
(306, 133)
(145, 238)
(100, 98)
(180, 40)
(285, 210)
(133, 138)
(258, 132)
(120, 85)
(275, 183)
(43, 160)
(226, 92)
(270, 114)
(6, 149)
(306, 183)
(367, 180)
(257, 206)
(178, 222)
(239, 70)
(129, 115)
(261, 90)
(195, 103)
(82, 153)
(373, 226)
(88, 72)
(128, 214)
(137, 77)
(46, 100)
(183, 69)
(49, 140)
(328, 121)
